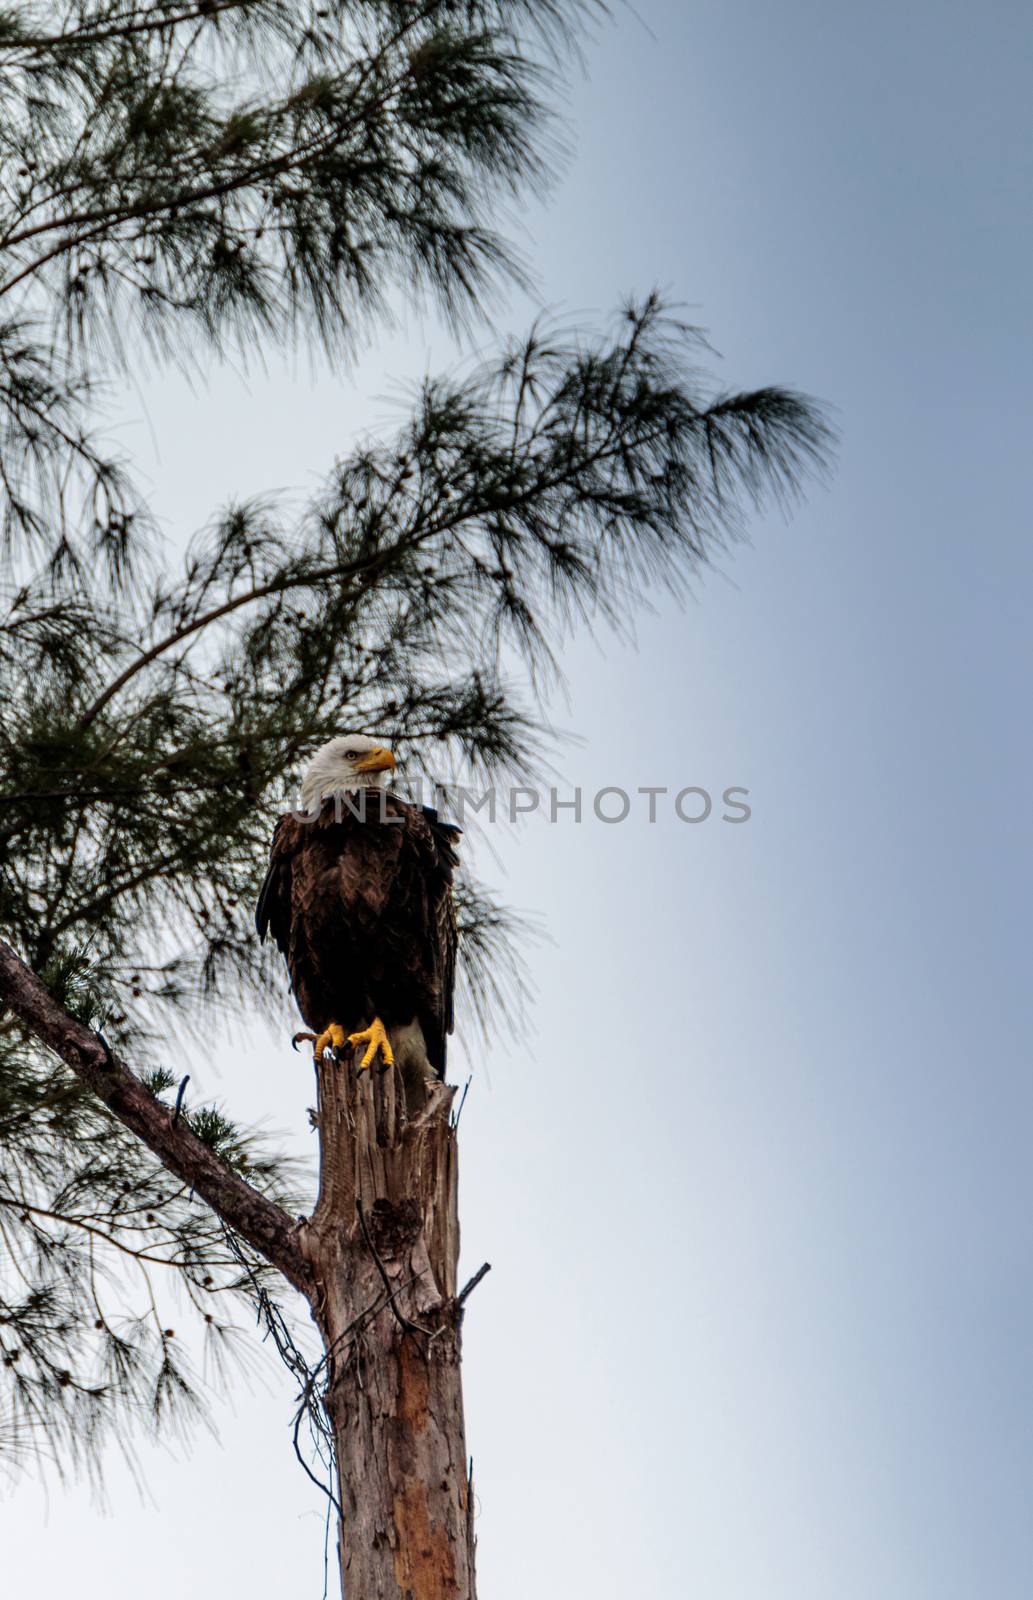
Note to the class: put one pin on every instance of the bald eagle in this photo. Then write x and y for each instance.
(358, 897)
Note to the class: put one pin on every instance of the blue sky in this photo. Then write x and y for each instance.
(756, 1185)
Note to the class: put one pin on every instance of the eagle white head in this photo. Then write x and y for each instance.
(351, 761)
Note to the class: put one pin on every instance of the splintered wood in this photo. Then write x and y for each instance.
(383, 1247)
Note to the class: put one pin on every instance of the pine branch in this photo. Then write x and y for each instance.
(91, 34)
(23, 1208)
(265, 1227)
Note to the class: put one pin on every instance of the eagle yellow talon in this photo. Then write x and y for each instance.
(374, 1038)
(326, 1044)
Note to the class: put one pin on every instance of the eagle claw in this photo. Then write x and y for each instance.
(375, 1039)
(333, 1045)
(325, 1045)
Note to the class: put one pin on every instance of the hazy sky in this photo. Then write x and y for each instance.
(756, 1187)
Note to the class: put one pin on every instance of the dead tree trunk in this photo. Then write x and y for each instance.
(383, 1246)
(377, 1263)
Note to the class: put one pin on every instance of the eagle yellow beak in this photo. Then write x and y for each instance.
(379, 760)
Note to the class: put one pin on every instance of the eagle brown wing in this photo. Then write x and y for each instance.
(273, 912)
(440, 1022)
(364, 915)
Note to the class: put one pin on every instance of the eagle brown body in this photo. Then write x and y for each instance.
(359, 901)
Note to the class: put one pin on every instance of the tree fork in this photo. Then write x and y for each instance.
(377, 1262)
(383, 1248)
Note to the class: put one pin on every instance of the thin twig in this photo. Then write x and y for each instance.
(474, 1281)
(306, 1409)
(462, 1102)
(179, 1099)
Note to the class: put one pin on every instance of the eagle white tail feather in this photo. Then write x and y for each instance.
(410, 1048)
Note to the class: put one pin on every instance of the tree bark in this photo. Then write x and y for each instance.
(383, 1249)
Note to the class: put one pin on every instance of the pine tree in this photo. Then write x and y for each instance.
(190, 179)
